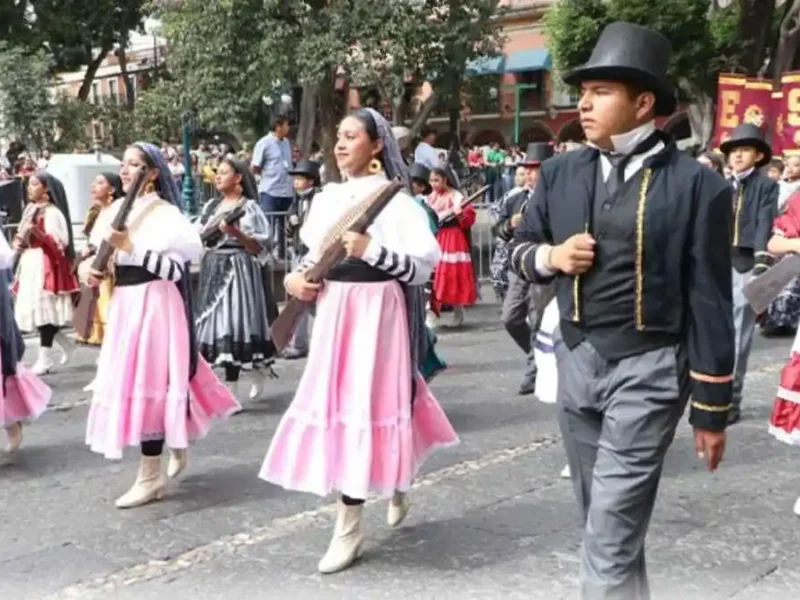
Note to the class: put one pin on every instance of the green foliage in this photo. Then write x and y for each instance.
(24, 95)
(157, 115)
(701, 43)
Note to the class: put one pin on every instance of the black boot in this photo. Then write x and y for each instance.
(528, 385)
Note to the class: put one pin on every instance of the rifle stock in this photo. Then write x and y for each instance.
(86, 306)
(285, 325)
(450, 216)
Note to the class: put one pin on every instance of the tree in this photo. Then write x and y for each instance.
(701, 41)
(25, 104)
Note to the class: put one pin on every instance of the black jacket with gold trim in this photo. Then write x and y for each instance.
(683, 259)
(755, 207)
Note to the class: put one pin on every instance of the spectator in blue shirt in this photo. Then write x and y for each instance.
(272, 160)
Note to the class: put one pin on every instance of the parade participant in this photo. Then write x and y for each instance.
(106, 188)
(785, 420)
(306, 185)
(454, 281)
(713, 161)
(23, 396)
(152, 388)
(637, 236)
(524, 303)
(44, 280)
(419, 183)
(790, 182)
(363, 420)
(502, 252)
(231, 311)
(755, 205)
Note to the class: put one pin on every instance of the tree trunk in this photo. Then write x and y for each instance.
(308, 118)
(91, 71)
(701, 117)
(422, 116)
(788, 43)
(126, 79)
(755, 22)
(331, 111)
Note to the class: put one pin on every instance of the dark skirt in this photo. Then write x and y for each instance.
(232, 315)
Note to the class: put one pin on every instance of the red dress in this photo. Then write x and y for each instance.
(454, 279)
(784, 423)
(58, 275)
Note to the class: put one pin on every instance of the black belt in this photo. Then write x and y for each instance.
(354, 270)
(132, 275)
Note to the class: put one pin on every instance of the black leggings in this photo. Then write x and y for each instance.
(47, 333)
(152, 448)
(232, 372)
(348, 501)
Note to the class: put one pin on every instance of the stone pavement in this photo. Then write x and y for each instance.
(490, 518)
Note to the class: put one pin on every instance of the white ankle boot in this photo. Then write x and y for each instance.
(149, 485)
(458, 316)
(67, 347)
(431, 320)
(347, 541)
(398, 509)
(235, 388)
(14, 433)
(796, 509)
(178, 459)
(44, 362)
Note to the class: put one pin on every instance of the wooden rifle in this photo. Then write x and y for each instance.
(357, 219)
(211, 233)
(86, 307)
(28, 230)
(450, 216)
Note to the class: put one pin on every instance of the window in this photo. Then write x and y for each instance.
(113, 91)
(95, 93)
(566, 96)
(531, 94)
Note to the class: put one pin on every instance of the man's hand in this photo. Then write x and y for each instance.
(710, 445)
(298, 286)
(516, 220)
(575, 256)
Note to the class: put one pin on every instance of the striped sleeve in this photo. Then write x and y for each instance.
(400, 266)
(160, 265)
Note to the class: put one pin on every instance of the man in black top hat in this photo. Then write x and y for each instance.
(306, 183)
(524, 303)
(637, 236)
(755, 206)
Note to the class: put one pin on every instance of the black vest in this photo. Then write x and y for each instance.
(609, 288)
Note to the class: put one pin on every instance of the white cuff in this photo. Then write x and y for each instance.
(372, 253)
(541, 261)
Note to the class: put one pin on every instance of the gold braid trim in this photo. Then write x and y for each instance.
(640, 212)
(711, 407)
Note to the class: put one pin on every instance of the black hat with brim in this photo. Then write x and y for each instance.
(421, 173)
(307, 168)
(632, 54)
(750, 135)
(537, 153)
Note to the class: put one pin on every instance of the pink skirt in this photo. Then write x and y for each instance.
(24, 398)
(351, 427)
(142, 391)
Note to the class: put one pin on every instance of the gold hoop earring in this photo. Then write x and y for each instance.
(149, 188)
(375, 166)
(239, 190)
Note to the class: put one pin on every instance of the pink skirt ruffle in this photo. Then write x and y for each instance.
(784, 423)
(24, 399)
(142, 391)
(351, 427)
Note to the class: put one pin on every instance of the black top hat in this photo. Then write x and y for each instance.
(748, 134)
(631, 54)
(537, 153)
(422, 174)
(309, 168)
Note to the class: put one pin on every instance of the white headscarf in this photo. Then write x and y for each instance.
(393, 163)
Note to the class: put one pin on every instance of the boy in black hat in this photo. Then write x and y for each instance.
(306, 184)
(636, 235)
(755, 206)
(524, 303)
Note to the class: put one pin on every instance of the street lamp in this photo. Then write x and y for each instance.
(188, 199)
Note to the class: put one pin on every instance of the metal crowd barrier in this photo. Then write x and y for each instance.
(281, 262)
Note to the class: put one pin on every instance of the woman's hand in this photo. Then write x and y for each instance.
(95, 278)
(355, 244)
(298, 286)
(457, 210)
(225, 228)
(121, 241)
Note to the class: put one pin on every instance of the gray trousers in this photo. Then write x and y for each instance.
(744, 321)
(300, 341)
(617, 419)
(525, 301)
